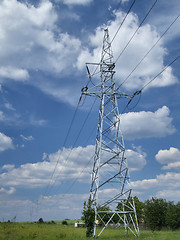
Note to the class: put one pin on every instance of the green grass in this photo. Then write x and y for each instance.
(29, 231)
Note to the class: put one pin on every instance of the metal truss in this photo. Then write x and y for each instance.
(110, 192)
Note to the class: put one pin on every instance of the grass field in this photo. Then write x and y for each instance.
(29, 231)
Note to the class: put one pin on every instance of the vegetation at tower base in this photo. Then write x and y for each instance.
(88, 217)
(154, 214)
(157, 214)
(173, 215)
(46, 231)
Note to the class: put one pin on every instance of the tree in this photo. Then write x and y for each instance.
(103, 218)
(40, 220)
(64, 222)
(155, 213)
(173, 215)
(88, 217)
(139, 208)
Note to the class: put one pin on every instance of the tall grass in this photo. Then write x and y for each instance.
(30, 231)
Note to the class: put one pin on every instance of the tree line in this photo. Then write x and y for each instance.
(153, 214)
(157, 213)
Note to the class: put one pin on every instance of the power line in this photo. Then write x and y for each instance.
(149, 51)
(53, 173)
(76, 139)
(65, 141)
(123, 21)
(140, 91)
(94, 73)
(136, 31)
(160, 73)
(90, 80)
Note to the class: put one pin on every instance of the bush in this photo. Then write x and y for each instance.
(173, 216)
(64, 222)
(40, 220)
(88, 217)
(155, 213)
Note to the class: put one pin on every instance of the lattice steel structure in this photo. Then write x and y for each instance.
(110, 192)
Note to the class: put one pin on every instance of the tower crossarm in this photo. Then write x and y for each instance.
(108, 94)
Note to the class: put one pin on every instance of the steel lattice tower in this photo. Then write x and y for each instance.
(110, 185)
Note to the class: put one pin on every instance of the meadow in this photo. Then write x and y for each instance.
(46, 231)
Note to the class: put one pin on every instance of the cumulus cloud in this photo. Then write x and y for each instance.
(171, 194)
(36, 48)
(69, 164)
(136, 160)
(160, 185)
(139, 46)
(31, 41)
(170, 157)
(136, 125)
(59, 206)
(5, 142)
(14, 73)
(44, 47)
(166, 156)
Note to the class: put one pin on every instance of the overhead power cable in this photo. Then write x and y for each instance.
(149, 51)
(140, 91)
(123, 21)
(94, 73)
(160, 73)
(136, 31)
(50, 184)
(65, 141)
(80, 131)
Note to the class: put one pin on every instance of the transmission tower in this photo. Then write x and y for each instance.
(110, 193)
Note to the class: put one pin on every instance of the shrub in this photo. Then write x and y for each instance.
(64, 222)
(40, 220)
(155, 213)
(173, 216)
(88, 217)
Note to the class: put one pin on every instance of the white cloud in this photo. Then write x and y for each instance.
(1, 116)
(31, 41)
(14, 73)
(32, 175)
(8, 167)
(136, 125)
(173, 195)
(163, 18)
(123, 1)
(76, 2)
(37, 122)
(70, 164)
(44, 47)
(163, 183)
(5, 142)
(139, 46)
(19, 208)
(136, 160)
(172, 166)
(9, 191)
(9, 106)
(29, 138)
(55, 207)
(170, 157)
(37, 48)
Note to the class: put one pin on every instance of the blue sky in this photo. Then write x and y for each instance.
(44, 46)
